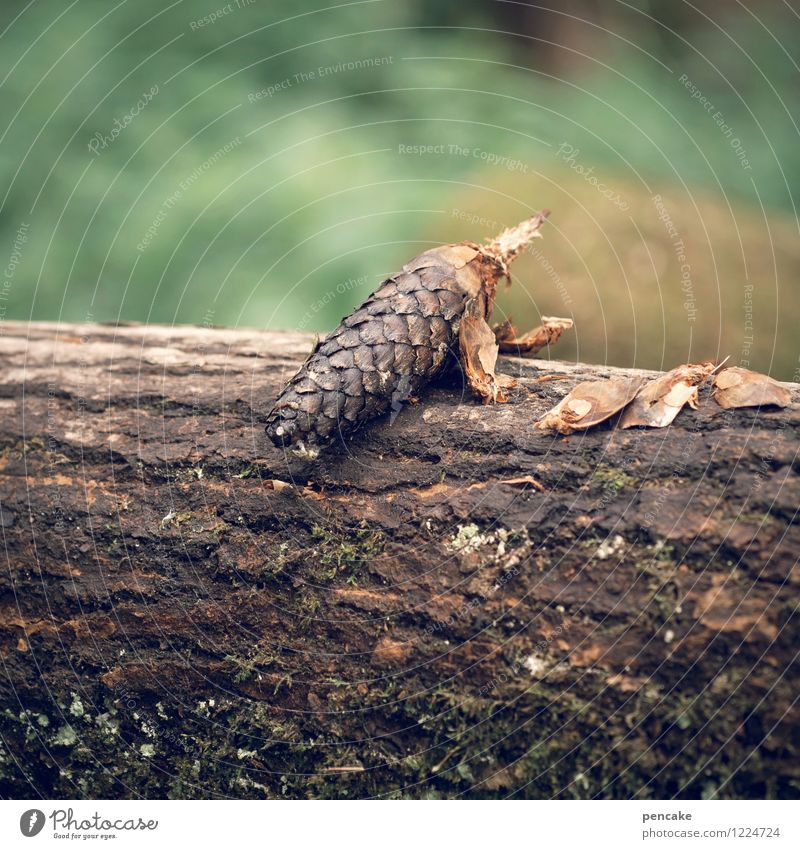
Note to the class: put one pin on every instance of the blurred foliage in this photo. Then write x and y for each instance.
(285, 208)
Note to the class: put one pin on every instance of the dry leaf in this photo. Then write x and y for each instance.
(523, 481)
(590, 403)
(662, 399)
(532, 341)
(277, 485)
(548, 378)
(479, 353)
(740, 387)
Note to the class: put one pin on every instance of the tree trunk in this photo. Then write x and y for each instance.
(189, 612)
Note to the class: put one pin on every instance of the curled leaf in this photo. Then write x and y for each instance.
(590, 403)
(479, 354)
(277, 485)
(524, 480)
(740, 387)
(532, 341)
(662, 399)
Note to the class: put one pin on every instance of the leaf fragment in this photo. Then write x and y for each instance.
(277, 485)
(659, 402)
(589, 404)
(548, 333)
(524, 480)
(739, 387)
(479, 354)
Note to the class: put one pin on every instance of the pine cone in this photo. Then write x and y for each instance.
(399, 340)
(385, 351)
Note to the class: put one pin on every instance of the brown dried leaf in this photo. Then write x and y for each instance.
(532, 341)
(590, 403)
(739, 387)
(549, 378)
(479, 353)
(277, 485)
(524, 481)
(660, 401)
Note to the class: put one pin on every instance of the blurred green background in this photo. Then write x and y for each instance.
(253, 163)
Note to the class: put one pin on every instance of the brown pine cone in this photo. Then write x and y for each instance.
(395, 343)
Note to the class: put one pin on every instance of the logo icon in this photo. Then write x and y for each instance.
(31, 822)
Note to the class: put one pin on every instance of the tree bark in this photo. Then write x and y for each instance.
(187, 611)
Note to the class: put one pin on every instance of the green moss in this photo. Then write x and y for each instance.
(262, 659)
(26, 446)
(436, 744)
(345, 551)
(610, 480)
(174, 518)
(307, 605)
(42, 446)
(658, 561)
(65, 736)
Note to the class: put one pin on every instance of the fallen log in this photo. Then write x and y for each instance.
(453, 604)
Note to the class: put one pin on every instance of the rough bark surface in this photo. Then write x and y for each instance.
(176, 621)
